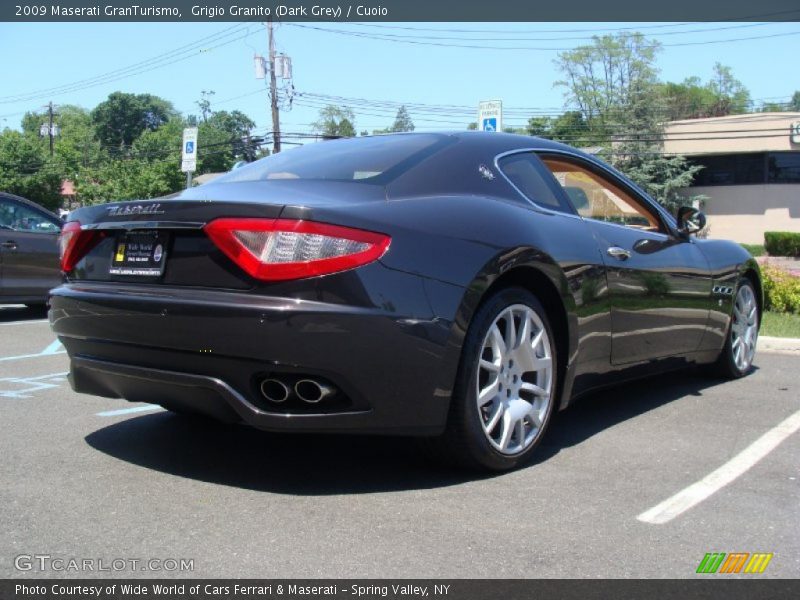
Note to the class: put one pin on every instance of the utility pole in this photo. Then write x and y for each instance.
(273, 92)
(50, 131)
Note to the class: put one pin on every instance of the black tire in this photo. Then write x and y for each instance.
(464, 442)
(725, 365)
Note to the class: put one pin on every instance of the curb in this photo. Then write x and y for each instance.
(777, 345)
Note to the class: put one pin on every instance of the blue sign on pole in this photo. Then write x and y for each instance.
(189, 147)
(490, 124)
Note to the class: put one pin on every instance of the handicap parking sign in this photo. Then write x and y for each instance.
(189, 147)
(490, 124)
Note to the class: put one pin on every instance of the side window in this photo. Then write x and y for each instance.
(599, 198)
(21, 218)
(6, 214)
(527, 173)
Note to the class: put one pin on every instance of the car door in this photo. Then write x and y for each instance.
(659, 282)
(28, 251)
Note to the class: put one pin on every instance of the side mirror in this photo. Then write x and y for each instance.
(690, 220)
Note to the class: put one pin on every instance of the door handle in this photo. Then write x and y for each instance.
(618, 253)
(11, 245)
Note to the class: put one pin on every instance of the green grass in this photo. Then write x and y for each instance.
(780, 325)
(755, 249)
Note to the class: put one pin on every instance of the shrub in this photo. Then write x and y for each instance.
(782, 243)
(781, 290)
(754, 249)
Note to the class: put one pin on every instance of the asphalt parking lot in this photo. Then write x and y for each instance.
(82, 479)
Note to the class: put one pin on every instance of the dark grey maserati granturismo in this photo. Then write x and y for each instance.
(460, 286)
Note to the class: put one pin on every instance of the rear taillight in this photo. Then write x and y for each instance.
(74, 243)
(279, 249)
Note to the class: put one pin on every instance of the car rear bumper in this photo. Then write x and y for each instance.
(208, 351)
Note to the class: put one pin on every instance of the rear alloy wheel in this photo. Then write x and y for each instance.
(740, 346)
(506, 387)
(514, 382)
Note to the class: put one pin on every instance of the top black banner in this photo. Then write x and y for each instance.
(399, 10)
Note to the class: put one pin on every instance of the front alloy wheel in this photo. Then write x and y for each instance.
(737, 355)
(744, 328)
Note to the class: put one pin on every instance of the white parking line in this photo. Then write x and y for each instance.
(23, 322)
(51, 350)
(129, 411)
(713, 482)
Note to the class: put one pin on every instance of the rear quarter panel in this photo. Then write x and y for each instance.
(462, 245)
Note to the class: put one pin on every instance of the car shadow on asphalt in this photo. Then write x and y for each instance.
(308, 464)
(18, 312)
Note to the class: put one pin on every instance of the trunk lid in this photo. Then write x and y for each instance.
(172, 228)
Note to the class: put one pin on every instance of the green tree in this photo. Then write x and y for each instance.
(569, 127)
(614, 83)
(721, 95)
(150, 168)
(610, 81)
(730, 95)
(26, 169)
(402, 122)
(688, 100)
(539, 127)
(204, 104)
(76, 146)
(794, 103)
(772, 107)
(123, 117)
(239, 128)
(335, 121)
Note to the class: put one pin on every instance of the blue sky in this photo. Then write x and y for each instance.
(34, 56)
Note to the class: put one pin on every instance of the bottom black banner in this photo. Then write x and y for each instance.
(400, 589)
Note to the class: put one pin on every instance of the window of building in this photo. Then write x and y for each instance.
(783, 167)
(741, 169)
(730, 169)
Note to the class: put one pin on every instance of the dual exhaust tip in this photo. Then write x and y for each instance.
(308, 390)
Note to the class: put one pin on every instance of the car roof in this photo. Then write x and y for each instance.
(498, 143)
(29, 203)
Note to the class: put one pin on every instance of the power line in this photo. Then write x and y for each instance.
(450, 109)
(457, 118)
(795, 12)
(157, 62)
(632, 33)
(386, 38)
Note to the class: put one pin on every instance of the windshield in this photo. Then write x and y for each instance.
(376, 159)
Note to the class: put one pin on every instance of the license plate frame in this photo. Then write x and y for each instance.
(139, 254)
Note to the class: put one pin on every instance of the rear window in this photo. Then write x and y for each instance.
(374, 160)
(533, 180)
